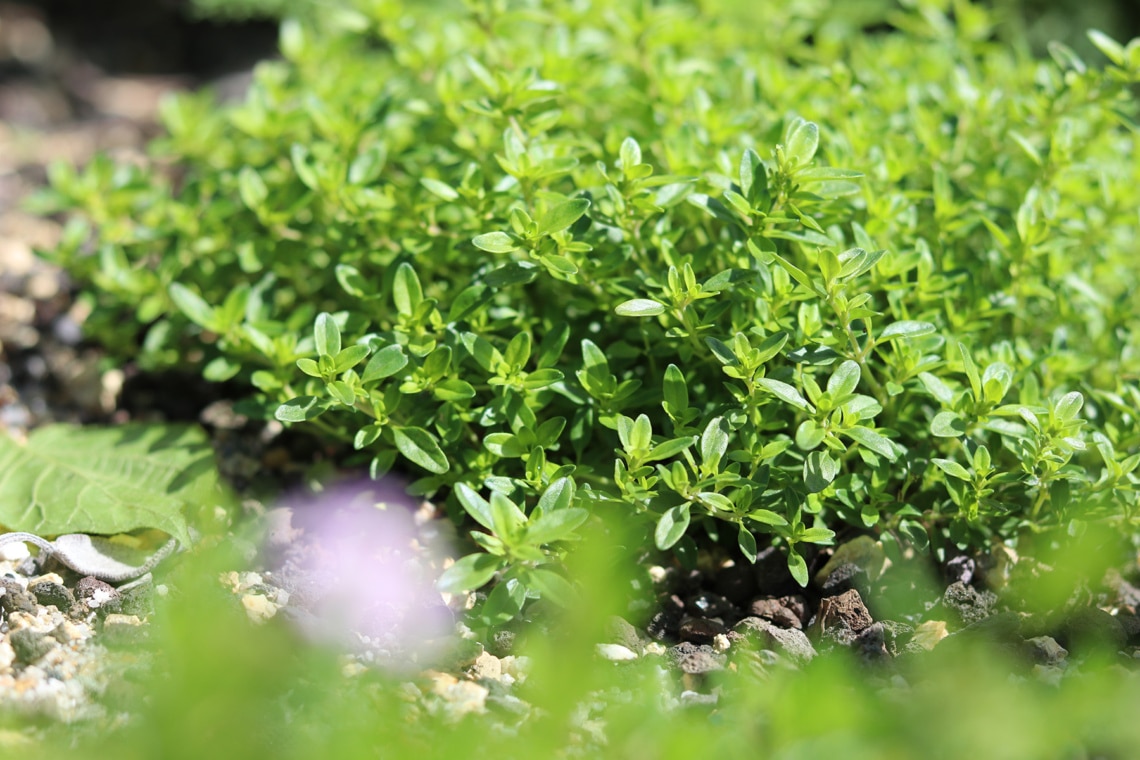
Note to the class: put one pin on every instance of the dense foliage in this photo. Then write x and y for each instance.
(744, 280)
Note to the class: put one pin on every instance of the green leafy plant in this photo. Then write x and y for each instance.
(734, 282)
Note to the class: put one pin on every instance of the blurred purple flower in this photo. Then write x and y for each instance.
(362, 574)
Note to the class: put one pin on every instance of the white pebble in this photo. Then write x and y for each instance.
(616, 653)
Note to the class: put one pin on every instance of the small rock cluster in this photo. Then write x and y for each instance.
(56, 630)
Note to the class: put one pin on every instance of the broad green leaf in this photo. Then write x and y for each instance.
(512, 273)
(640, 307)
(469, 573)
(671, 526)
(420, 447)
(107, 480)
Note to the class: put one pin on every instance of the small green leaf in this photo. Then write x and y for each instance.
(872, 440)
(420, 446)
(441, 189)
(844, 380)
(784, 392)
(556, 525)
(767, 517)
(351, 281)
(640, 307)
(300, 409)
(714, 443)
(676, 392)
(342, 392)
(469, 573)
(495, 242)
(406, 290)
(384, 363)
(326, 333)
(817, 536)
(1068, 406)
(562, 215)
(453, 389)
(747, 543)
(193, 306)
(947, 425)
(557, 496)
(309, 367)
(630, 153)
(671, 526)
(905, 329)
(349, 358)
(551, 586)
(803, 141)
(669, 449)
(797, 567)
(506, 517)
(474, 504)
(953, 469)
(820, 468)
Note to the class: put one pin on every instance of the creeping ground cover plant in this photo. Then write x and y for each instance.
(722, 274)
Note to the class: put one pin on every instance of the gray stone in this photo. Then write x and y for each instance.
(1044, 650)
(968, 604)
(700, 630)
(621, 631)
(784, 611)
(790, 642)
(97, 596)
(30, 646)
(50, 593)
(695, 659)
(845, 610)
(15, 598)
